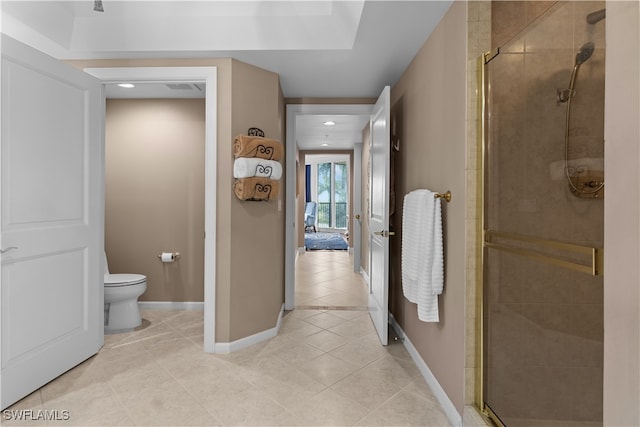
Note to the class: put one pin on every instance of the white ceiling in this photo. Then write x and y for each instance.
(319, 48)
(312, 133)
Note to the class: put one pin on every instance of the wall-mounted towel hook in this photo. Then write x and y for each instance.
(446, 196)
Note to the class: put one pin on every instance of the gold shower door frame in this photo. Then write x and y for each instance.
(578, 258)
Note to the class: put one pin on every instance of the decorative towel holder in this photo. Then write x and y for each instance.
(255, 132)
(446, 196)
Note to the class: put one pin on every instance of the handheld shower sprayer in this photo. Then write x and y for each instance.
(582, 56)
(585, 53)
(582, 187)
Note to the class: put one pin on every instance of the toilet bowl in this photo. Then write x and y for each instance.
(121, 292)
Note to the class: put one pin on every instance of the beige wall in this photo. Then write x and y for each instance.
(622, 216)
(256, 287)
(155, 193)
(429, 105)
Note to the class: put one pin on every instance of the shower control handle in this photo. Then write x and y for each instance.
(564, 95)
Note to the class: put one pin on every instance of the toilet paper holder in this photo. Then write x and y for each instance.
(174, 256)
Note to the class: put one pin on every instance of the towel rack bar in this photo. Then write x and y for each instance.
(446, 196)
(589, 269)
(594, 268)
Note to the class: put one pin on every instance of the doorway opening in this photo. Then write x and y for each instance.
(325, 276)
(343, 262)
(207, 76)
(154, 194)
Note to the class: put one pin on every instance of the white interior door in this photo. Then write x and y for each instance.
(379, 216)
(52, 218)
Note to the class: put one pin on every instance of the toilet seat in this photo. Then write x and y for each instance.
(123, 279)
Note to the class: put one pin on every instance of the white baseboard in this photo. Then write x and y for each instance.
(170, 305)
(364, 275)
(448, 406)
(230, 347)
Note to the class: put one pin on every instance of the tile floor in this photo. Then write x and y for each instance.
(326, 367)
(326, 278)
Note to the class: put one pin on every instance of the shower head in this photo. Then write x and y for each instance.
(584, 53)
(597, 16)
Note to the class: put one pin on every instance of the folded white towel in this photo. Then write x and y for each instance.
(422, 252)
(247, 167)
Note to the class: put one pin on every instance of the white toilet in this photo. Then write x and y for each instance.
(121, 292)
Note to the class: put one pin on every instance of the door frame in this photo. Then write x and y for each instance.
(357, 206)
(291, 235)
(208, 75)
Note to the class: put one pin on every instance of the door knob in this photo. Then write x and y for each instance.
(358, 217)
(384, 233)
(9, 249)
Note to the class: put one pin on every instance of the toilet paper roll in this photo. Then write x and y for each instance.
(167, 257)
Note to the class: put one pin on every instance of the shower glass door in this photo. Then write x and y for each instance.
(543, 296)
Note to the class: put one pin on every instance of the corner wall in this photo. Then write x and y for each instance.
(429, 106)
(257, 228)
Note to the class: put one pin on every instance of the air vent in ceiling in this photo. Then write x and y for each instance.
(180, 86)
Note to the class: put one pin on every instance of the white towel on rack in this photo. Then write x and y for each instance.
(413, 246)
(422, 252)
(247, 167)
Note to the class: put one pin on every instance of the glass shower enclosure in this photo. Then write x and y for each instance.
(543, 122)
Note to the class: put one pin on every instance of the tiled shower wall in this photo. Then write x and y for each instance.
(546, 328)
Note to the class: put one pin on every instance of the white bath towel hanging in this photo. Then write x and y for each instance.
(422, 252)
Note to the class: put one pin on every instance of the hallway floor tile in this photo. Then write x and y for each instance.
(325, 367)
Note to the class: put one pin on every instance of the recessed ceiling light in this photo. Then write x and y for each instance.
(126, 85)
(329, 123)
(325, 145)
